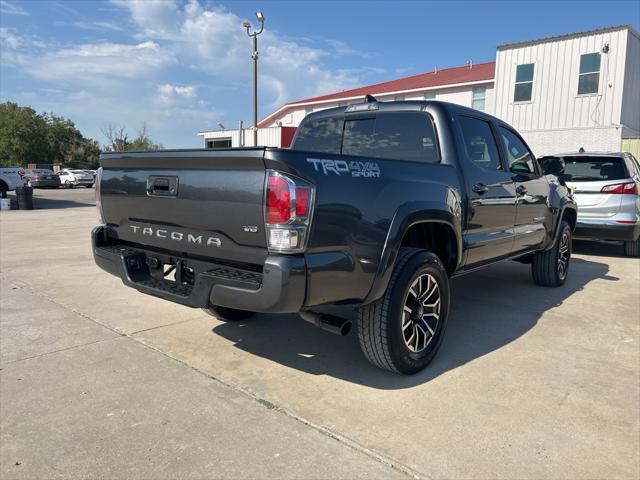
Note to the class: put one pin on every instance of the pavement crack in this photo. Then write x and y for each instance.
(350, 443)
(161, 326)
(38, 293)
(11, 362)
(339, 437)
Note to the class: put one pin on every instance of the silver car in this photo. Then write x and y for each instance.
(605, 187)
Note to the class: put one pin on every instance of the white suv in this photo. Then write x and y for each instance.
(74, 178)
(606, 188)
(10, 179)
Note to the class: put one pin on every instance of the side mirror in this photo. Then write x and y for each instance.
(552, 165)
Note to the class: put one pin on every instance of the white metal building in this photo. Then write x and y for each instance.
(562, 93)
(577, 90)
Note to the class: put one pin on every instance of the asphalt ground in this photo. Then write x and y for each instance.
(98, 380)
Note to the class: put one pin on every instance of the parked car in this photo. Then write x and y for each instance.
(10, 179)
(91, 172)
(41, 177)
(605, 187)
(376, 205)
(76, 178)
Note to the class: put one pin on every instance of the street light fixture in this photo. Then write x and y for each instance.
(254, 56)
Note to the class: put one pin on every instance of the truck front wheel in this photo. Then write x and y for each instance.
(402, 331)
(228, 314)
(551, 267)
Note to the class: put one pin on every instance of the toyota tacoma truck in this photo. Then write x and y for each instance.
(375, 206)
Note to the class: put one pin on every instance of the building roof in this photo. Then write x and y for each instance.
(567, 36)
(480, 72)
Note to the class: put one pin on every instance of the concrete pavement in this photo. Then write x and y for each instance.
(530, 382)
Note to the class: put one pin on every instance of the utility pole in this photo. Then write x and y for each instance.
(254, 56)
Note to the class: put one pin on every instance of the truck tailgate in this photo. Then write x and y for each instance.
(203, 203)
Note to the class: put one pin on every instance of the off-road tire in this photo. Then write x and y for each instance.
(228, 314)
(544, 266)
(632, 248)
(380, 323)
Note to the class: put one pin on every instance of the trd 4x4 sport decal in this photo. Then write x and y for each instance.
(353, 168)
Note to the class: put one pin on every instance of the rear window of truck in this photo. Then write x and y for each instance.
(395, 136)
(323, 135)
(593, 169)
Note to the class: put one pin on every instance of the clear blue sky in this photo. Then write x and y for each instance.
(184, 66)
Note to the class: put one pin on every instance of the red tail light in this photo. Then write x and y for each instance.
(278, 203)
(302, 201)
(629, 188)
(287, 212)
(38, 177)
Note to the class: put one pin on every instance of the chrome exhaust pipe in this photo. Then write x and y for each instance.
(329, 323)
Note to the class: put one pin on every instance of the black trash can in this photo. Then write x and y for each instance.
(24, 195)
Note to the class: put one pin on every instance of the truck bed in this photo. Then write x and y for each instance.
(187, 201)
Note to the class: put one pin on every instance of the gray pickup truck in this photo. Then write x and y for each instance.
(376, 206)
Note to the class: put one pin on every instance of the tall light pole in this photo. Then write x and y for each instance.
(254, 56)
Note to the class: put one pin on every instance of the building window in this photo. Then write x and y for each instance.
(479, 94)
(430, 96)
(589, 77)
(524, 83)
(399, 98)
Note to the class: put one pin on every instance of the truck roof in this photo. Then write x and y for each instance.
(586, 154)
(401, 106)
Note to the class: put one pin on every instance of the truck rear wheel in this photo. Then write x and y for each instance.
(632, 248)
(228, 314)
(551, 267)
(402, 331)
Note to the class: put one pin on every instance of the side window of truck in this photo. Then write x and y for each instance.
(518, 155)
(479, 143)
(323, 135)
(395, 136)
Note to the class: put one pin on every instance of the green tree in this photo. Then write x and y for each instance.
(23, 136)
(120, 141)
(63, 138)
(28, 137)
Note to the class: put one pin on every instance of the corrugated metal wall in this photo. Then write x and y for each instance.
(631, 97)
(555, 102)
(631, 145)
(267, 137)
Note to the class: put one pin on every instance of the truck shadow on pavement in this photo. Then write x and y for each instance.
(599, 248)
(490, 309)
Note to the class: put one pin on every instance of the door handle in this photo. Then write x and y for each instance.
(480, 188)
(521, 189)
(162, 186)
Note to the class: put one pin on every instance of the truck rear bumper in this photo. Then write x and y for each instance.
(280, 288)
